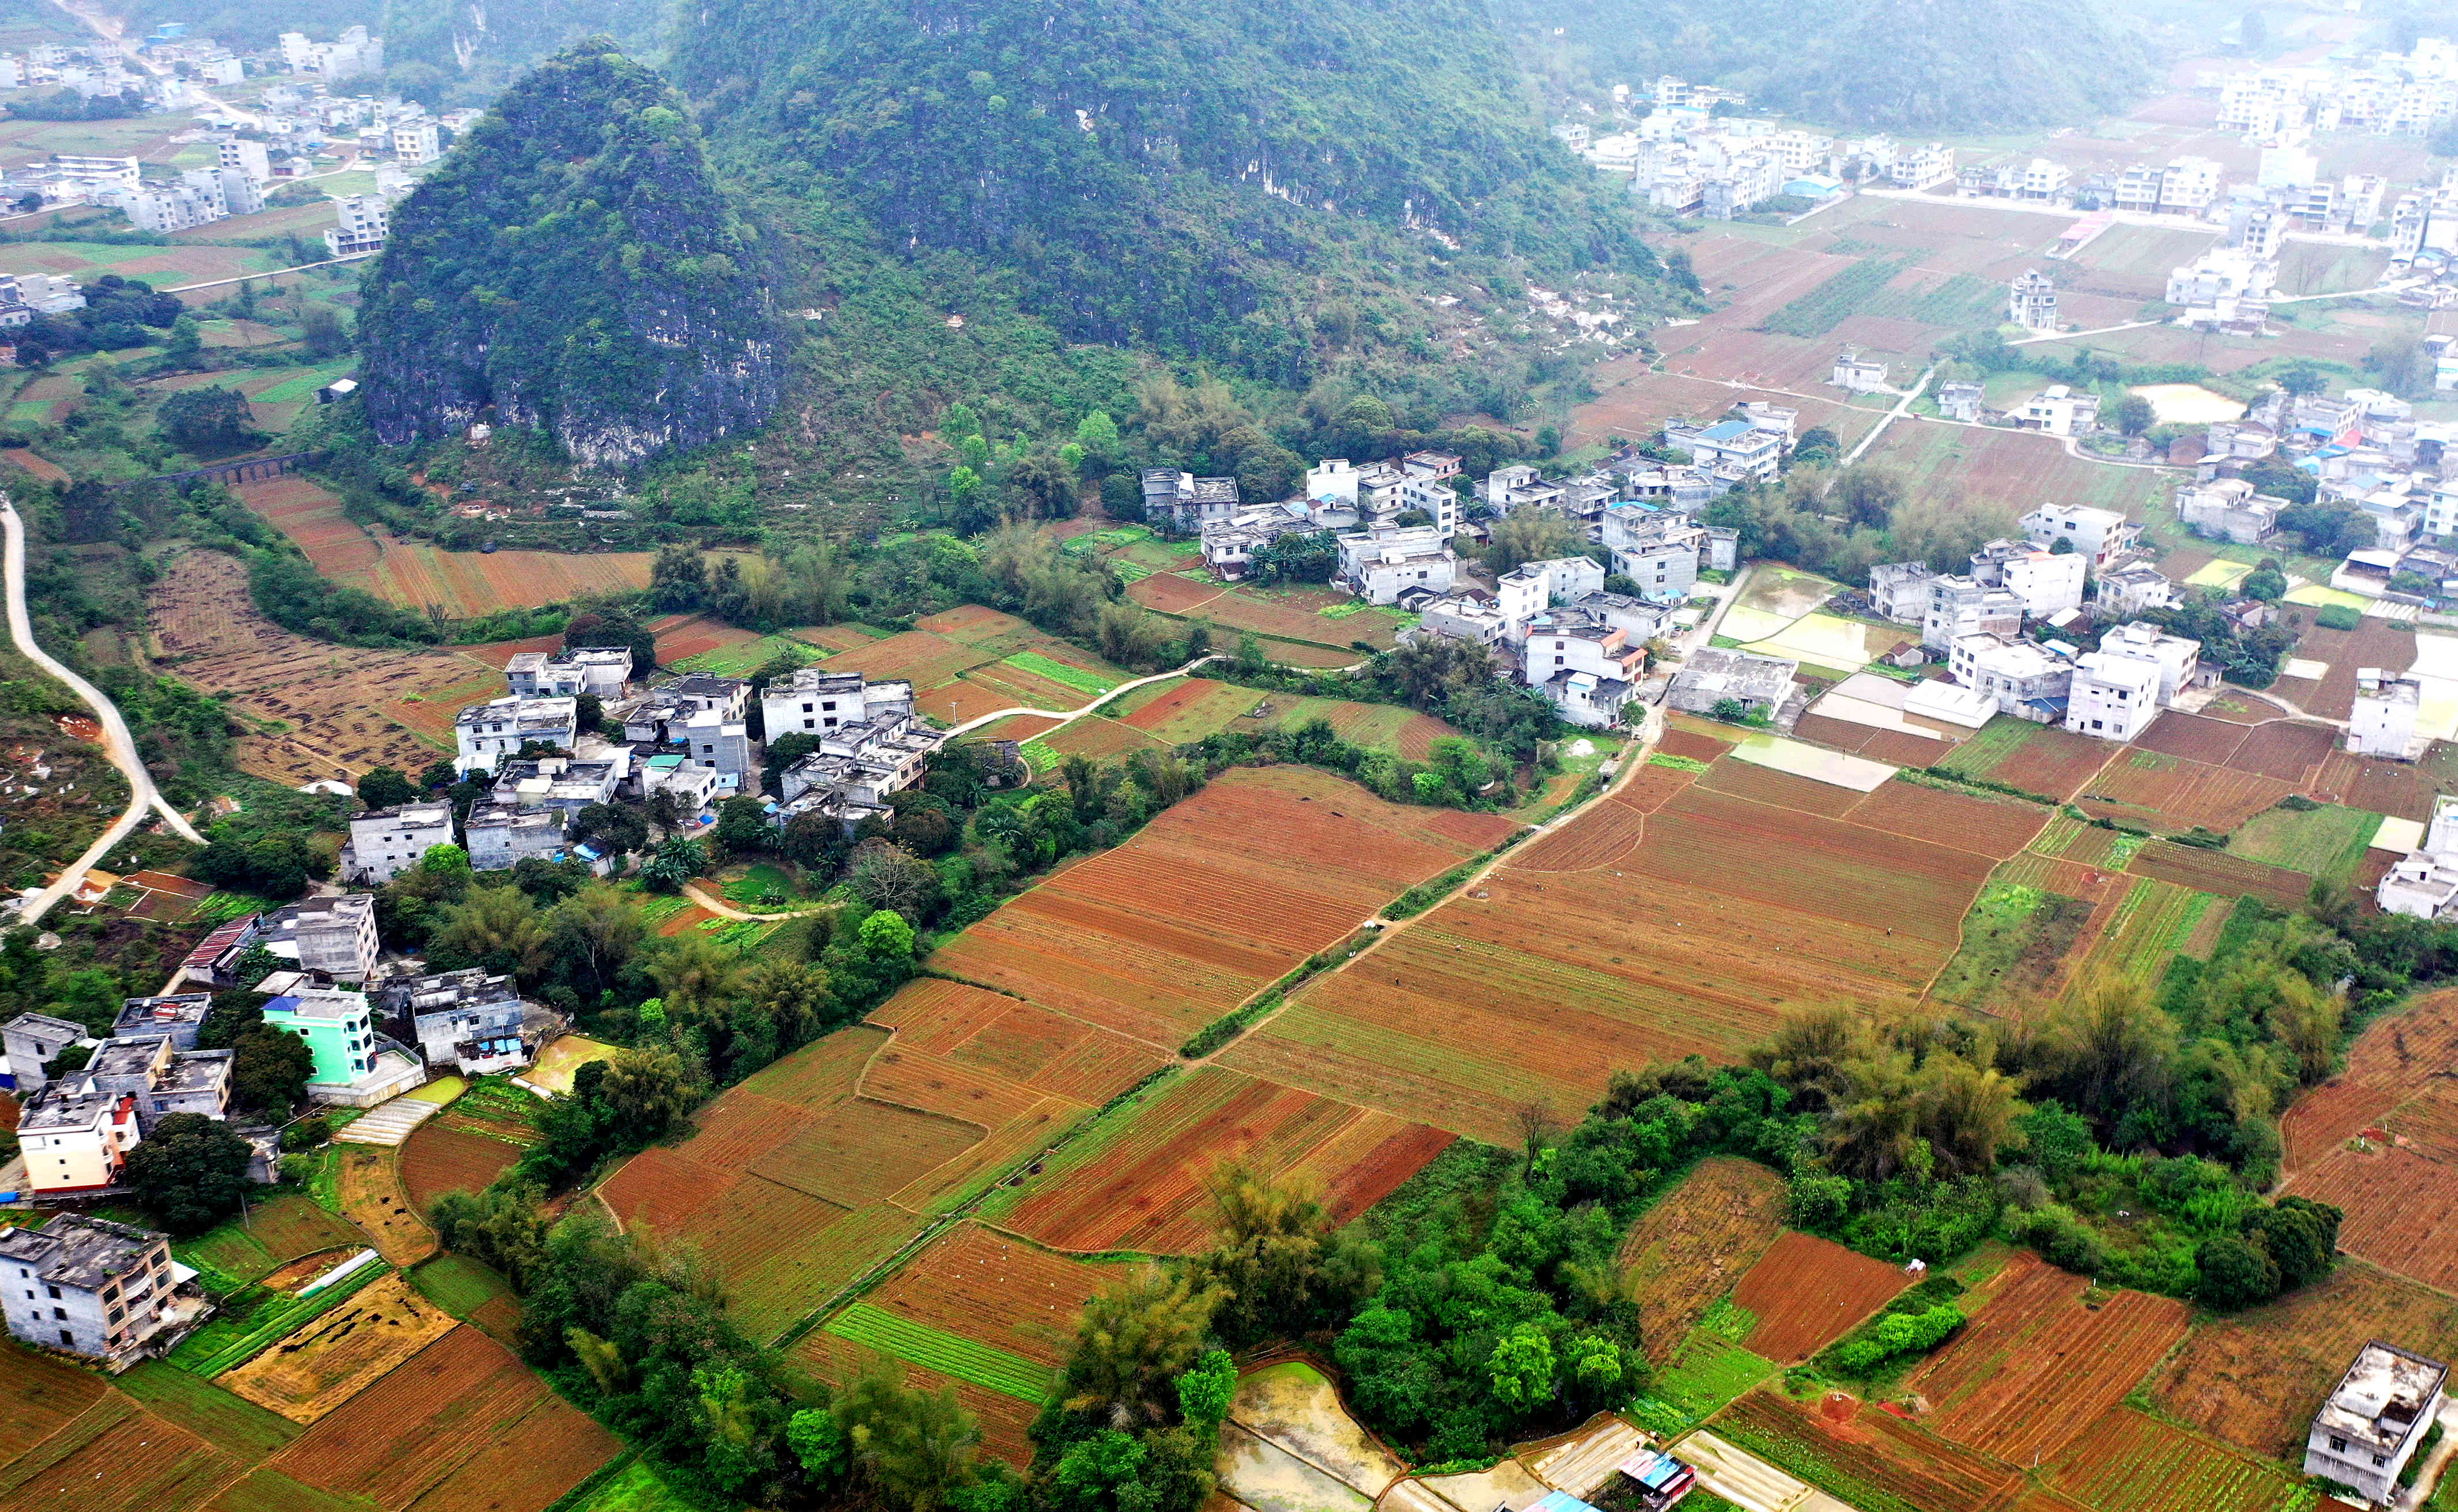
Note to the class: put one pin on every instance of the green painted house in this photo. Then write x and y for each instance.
(338, 1027)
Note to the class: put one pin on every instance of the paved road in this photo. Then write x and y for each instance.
(120, 745)
(1903, 406)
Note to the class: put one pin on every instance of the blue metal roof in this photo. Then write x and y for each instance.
(1729, 430)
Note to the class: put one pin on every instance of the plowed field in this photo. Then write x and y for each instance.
(1696, 1241)
(998, 1290)
(1876, 1461)
(2129, 1461)
(1808, 1293)
(2152, 790)
(2217, 872)
(2036, 1365)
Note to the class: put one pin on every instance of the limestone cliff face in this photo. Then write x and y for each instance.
(572, 265)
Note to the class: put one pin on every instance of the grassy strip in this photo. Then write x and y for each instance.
(1424, 894)
(1950, 781)
(964, 1359)
(1228, 1026)
(215, 1348)
(1679, 763)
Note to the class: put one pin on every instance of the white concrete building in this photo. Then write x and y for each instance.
(2059, 411)
(598, 670)
(2046, 582)
(85, 1286)
(1381, 563)
(2022, 677)
(1585, 666)
(2031, 301)
(813, 701)
(2178, 657)
(490, 732)
(2382, 721)
(1659, 552)
(362, 221)
(2112, 697)
(386, 842)
(2374, 1421)
(2101, 536)
(415, 142)
(1529, 589)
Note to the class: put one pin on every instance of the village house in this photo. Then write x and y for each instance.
(2102, 536)
(386, 842)
(2178, 657)
(1229, 546)
(1509, 489)
(33, 1041)
(2031, 301)
(1959, 606)
(162, 1079)
(1642, 620)
(2059, 411)
(856, 767)
(487, 732)
(1584, 667)
(1469, 615)
(598, 670)
(2130, 590)
(561, 783)
(1750, 449)
(2383, 720)
(2228, 509)
(334, 936)
(1184, 503)
(465, 1022)
(1857, 374)
(2375, 1421)
(1382, 564)
(662, 716)
(1739, 681)
(812, 701)
(502, 836)
(2425, 884)
(1530, 588)
(2046, 582)
(106, 1291)
(73, 1137)
(1899, 591)
(2112, 697)
(2022, 677)
(177, 1019)
(354, 1065)
(1657, 550)
(1963, 401)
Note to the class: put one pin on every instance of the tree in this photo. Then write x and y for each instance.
(208, 419)
(269, 1070)
(914, 1446)
(1520, 1371)
(885, 874)
(606, 625)
(677, 861)
(1533, 534)
(743, 826)
(818, 1443)
(2304, 379)
(1433, 668)
(1282, 1266)
(2267, 583)
(645, 1090)
(497, 927)
(2110, 1048)
(2234, 1273)
(598, 929)
(2135, 415)
(698, 977)
(189, 1172)
(383, 788)
(321, 334)
(1133, 1339)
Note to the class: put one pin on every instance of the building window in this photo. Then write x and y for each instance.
(2338, 1445)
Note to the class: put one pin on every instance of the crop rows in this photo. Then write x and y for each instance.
(2152, 922)
(2127, 1461)
(1706, 1375)
(2217, 872)
(966, 1360)
(997, 1289)
(1883, 1466)
(1808, 1293)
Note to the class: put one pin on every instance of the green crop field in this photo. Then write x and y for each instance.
(232, 1422)
(1077, 677)
(920, 1344)
(1707, 1374)
(1829, 304)
(458, 1284)
(2324, 843)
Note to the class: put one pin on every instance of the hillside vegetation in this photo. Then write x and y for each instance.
(573, 265)
(1958, 66)
(1229, 182)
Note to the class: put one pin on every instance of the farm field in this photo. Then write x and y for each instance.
(1698, 1241)
(1874, 1461)
(369, 1183)
(1190, 708)
(336, 1354)
(1806, 1293)
(2130, 1462)
(276, 1233)
(2019, 470)
(1528, 988)
(1212, 901)
(2054, 764)
(2037, 1365)
(313, 710)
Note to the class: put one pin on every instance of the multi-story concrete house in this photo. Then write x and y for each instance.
(2376, 1420)
(1899, 591)
(2178, 657)
(2382, 722)
(1182, 501)
(386, 842)
(2132, 589)
(76, 1138)
(2059, 411)
(2031, 301)
(1382, 564)
(334, 936)
(1755, 684)
(91, 1287)
(464, 1021)
(815, 702)
(1959, 606)
(2103, 536)
(2022, 677)
(33, 1041)
(1857, 374)
(1740, 444)
(856, 767)
(2228, 509)
(495, 731)
(177, 1019)
(502, 836)
(2112, 697)
(162, 1078)
(1530, 588)
(598, 671)
(1656, 550)
(561, 784)
(1585, 666)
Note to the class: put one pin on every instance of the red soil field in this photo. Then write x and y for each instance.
(2287, 749)
(2192, 738)
(992, 1033)
(1744, 779)
(1993, 827)
(1651, 787)
(2217, 872)
(2130, 1462)
(1882, 1451)
(2256, 1378)
(2036, 1366)
(436, 1160)
(1601, 835)
(1689, 1248)
(38, 1393)
(418, 1426)
(680, 637)
(1004, 1420)
(1141, 1187)
(304, 510)
(1808, 1293)
(114, 1458)
(2347, 651)
(999, 1290)
(2393, 1060)
(1211, 900)
(1101, 739)
(2056, 762)
(1636, 400)
(2395, 788)
(1173, 594)
(861, 1150)
(1697, 745)
(2163, 792)
(2401, 1207)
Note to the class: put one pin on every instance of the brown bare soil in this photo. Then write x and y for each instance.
(1808, 1293)
(1699, 1240)
(338, 1354)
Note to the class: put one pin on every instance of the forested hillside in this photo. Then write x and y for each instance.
(573, 265)
(1891, 65)
(1234, 183)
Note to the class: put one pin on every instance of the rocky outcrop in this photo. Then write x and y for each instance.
(573, 267)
